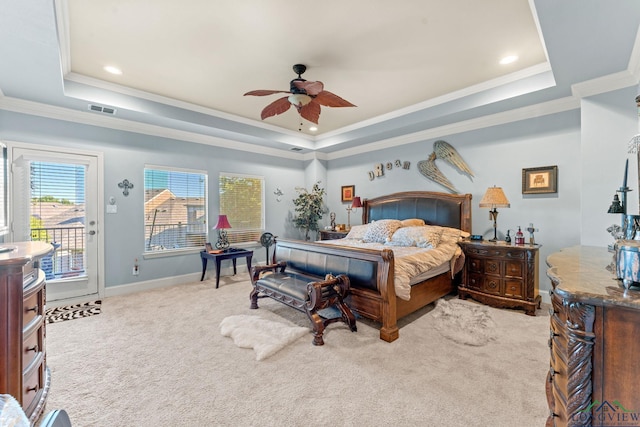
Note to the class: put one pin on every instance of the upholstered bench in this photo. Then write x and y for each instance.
(304, 292)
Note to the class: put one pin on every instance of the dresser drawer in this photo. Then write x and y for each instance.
(31, 308)
(33, 381)
(557, 308)
(33, 346)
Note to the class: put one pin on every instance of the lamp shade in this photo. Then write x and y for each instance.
(494, 198)
(356, 202)
(223, 223)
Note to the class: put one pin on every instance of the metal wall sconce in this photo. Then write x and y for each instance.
(126, 185)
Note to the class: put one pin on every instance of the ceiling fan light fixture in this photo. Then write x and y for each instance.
(299, 99)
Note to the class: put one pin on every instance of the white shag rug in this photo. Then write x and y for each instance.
(464, 322)
(266, 337)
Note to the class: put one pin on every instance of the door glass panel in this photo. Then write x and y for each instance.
(57, 216)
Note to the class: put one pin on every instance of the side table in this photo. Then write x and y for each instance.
(501, 274)
(332, 235)
(231, 254)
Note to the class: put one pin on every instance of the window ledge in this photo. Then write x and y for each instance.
(171, 253)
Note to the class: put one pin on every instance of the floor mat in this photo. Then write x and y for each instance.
(75, 311)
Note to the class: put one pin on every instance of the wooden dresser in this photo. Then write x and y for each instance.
(23, 370)
(501, 275)
(594, 374)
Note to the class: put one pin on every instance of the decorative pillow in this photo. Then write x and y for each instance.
(357, 232)
(412, 222)
(423, 237)
(379, 231)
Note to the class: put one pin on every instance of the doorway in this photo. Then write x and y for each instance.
(55, 198)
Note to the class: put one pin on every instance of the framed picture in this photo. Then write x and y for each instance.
(347, 192)
(540, 180)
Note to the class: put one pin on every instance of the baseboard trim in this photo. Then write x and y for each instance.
(130, 288)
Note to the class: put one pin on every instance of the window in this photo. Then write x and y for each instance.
(175, 209)
(242, 200)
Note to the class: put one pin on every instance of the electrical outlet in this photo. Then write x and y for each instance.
(135, 271)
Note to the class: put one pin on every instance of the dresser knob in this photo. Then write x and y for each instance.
(553, 334)
(34, 309)
(34, 388)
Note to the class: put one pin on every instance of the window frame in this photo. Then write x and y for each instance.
(263, 219)
(204, 175)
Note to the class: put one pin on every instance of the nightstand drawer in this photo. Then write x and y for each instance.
(513, 289)
(513, 269)
(491, 266)
(474, 265)
(475, 281)
(492, 286)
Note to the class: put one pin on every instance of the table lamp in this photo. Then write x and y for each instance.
(223, 240)
(356, 203)
(494, 198)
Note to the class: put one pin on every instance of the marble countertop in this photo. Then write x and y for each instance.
(581, 274)
(22, 252)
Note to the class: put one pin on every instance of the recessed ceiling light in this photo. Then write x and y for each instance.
(113, 70)
(508, 59)
(313, 128)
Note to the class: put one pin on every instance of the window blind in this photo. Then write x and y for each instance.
(242, 200)
(175, 214)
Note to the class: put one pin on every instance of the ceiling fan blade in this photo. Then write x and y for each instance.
(310, 112)
(278, 106)
(262, 92)
(329, 99)
(312, 88)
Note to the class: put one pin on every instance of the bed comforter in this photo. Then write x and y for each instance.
(412, 261)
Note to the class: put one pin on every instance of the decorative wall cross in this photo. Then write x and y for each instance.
(126, 185)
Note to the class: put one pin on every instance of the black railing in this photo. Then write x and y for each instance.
(175, 236)
(68, 257)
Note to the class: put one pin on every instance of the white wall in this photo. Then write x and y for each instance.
(609, 121)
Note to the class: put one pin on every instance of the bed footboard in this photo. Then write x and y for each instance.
(372, 293)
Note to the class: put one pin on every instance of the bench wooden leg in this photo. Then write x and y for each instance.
(254, 299)
(318, 325)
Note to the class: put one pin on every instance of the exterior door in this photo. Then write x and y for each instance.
(55, 199)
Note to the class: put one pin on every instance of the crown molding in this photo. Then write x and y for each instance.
(518, 114)
(92, 119)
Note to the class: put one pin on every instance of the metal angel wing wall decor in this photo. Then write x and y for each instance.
(444, 151)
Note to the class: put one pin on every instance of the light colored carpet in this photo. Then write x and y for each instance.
(464, 322)
(158, 358)
(265, 337)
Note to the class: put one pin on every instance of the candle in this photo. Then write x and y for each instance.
(624, 181)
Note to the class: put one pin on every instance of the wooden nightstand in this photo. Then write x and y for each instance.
(500, 274)
(332, 235)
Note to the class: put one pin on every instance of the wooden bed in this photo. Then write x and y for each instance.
(444, 209)
(379, 302)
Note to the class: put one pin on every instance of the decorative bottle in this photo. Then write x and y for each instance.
(519, 237)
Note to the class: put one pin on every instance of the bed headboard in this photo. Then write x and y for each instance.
(449, 210)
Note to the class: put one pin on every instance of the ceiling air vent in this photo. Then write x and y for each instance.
(101, 109)
(296, 149)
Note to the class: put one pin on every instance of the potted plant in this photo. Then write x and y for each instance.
(308, 208)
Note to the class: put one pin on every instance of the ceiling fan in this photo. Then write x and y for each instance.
(305, 95)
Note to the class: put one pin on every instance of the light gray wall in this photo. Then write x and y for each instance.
(589, 146)
(125, 155)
